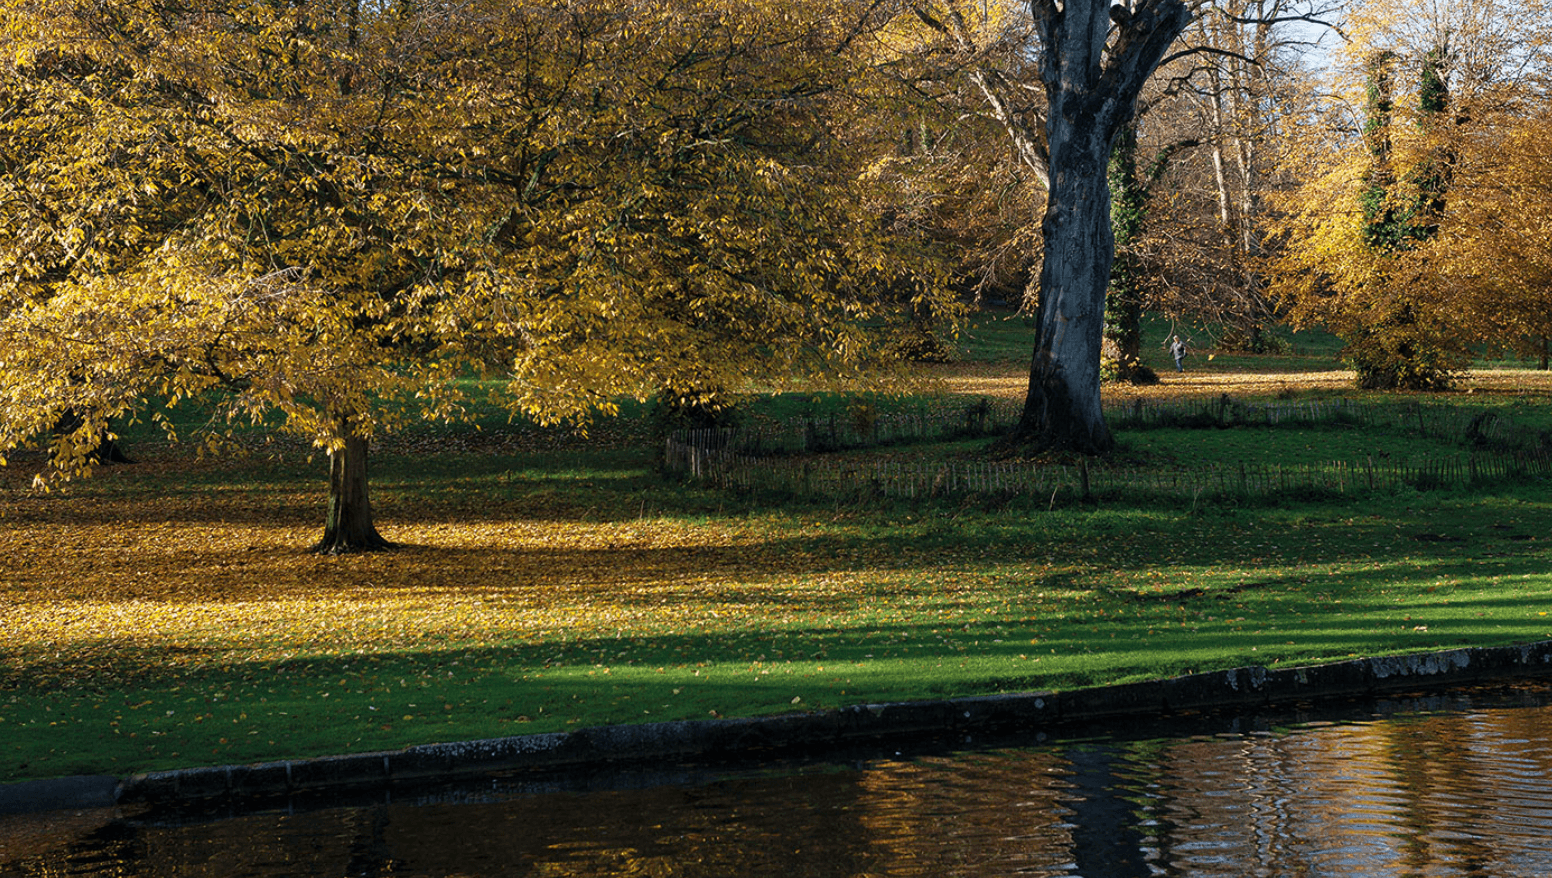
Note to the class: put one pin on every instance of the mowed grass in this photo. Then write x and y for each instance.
(166, 614)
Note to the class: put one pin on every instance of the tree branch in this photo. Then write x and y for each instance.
(1308, 18)
(1209, 50)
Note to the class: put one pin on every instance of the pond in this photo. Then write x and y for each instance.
(1456, 783)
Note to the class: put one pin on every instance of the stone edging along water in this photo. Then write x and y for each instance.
(1248, 687)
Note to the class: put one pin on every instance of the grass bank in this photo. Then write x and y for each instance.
(166, 614)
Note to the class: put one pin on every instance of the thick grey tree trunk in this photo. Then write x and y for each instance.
(1092, 79)
(1062, 407)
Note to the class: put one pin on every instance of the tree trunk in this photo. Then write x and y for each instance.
(107, 452)
(1220, 172)
(1123, 303)
(1092, 79)
(348, 524)
(1062, 408)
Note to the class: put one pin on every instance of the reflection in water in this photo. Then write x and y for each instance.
(1459, 785)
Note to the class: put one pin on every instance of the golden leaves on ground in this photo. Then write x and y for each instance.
(146, 588)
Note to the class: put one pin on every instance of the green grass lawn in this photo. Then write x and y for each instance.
(166, 614)
(167, 618)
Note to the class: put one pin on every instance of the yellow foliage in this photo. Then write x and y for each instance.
(329, 215)
(1455, 278)
(1494, 249)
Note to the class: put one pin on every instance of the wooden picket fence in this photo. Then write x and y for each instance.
(786, 458)
(863, 428)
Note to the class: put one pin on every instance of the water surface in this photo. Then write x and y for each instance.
(1458, 784)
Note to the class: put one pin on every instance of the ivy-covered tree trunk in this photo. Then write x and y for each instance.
(1397, 346)
(1382, 229)
(348, 525)
(1123, 306)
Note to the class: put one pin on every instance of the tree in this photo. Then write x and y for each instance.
(1364, 253)
(1398, 333)
(1138, 264)
(1129, 199)
(983, 60)
(1091, 84)
(1092, 63)
(1237, 79)
(323, 213)
(240, 199)
(1398, 346)
(1062, 133)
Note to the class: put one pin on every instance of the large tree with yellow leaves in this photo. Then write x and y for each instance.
(322, 212)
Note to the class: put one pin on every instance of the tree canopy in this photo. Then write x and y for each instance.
(1494, 246)
(324, 212)
(1391, 239)
(320, 214)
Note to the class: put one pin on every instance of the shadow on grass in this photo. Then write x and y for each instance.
(1387, 608)
(253, 711)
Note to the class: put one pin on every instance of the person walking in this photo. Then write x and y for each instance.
(1177, 349)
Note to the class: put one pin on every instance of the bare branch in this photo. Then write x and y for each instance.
(1210, 50)
(1309, 18)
